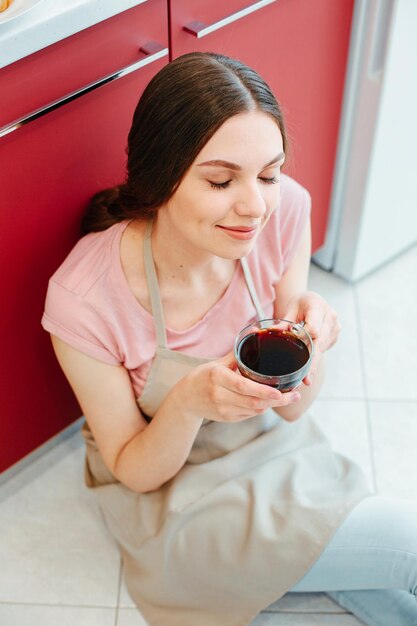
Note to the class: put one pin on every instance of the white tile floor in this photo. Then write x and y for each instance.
(59, 566)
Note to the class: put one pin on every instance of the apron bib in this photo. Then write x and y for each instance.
(242, 521)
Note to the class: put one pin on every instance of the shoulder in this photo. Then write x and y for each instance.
(79, 305)
(293, 210)
(293, 217)
(91, 258)
(295, 199)
(278, 242)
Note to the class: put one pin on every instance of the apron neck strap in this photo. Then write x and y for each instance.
(156, 304)
(152, 280)
(251, 288)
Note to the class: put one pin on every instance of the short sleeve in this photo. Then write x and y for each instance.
(73, 319)
(295, 212)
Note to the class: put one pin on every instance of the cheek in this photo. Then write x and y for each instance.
(212, 205)
(273, 197)
(186, 207)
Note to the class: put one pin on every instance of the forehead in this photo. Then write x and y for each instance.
(253, 134)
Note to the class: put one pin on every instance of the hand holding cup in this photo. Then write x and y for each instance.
(275, 352)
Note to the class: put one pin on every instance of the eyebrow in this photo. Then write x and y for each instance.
(234, 166)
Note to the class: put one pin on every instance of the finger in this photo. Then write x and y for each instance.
(329, 331)
(295, 310)
(227, 375)
(333, 326)
(290, 397)
(254, 404)
(311, 321)
(229, 360)
(282, 399)
(234, 381)
(309, 379)
(241, 414)
(314, 321)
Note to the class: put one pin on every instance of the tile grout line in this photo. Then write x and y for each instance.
(119, 587)
(132, 608)
(307, 613)
(59, 605)
(285, 612)
(371, 399)
(334, 611)
(365, 389)
(394, 400)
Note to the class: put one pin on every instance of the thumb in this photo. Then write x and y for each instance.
(293, 314)
(229, 360)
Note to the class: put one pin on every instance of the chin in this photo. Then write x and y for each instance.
(238, 253)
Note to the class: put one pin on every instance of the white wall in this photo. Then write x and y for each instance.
(373, 213)
(389, 217)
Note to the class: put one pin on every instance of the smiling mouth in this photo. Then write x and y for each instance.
(239, 229)
(243, 233)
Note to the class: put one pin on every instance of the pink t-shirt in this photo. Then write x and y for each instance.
(90, 306)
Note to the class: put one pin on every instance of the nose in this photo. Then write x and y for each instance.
(251, 202)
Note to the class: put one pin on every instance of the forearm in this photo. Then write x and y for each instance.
(159, 451)
(308, 394)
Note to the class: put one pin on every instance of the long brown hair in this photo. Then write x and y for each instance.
(179, 111)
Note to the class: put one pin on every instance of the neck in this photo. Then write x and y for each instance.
(181, 259)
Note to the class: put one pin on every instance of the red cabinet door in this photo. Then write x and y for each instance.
(300, 47)
(50, 168)
(78, 60)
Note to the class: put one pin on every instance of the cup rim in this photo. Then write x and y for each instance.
(284, 377)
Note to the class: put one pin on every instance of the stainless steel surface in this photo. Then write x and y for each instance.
(158, 53)
(198, 29)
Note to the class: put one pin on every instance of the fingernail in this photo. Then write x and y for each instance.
(295, 397)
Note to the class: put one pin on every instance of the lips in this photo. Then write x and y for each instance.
(241, 229)
(239, 232)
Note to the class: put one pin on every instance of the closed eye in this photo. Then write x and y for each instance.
(268, 181)
(220, 185)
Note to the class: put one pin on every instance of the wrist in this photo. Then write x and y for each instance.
(179, 398)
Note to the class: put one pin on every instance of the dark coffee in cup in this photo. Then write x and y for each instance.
(273, 352)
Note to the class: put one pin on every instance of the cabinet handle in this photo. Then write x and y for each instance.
(155, 52)
(198, 29)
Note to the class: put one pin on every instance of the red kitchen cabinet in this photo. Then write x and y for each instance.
(51, 166)
(300, 47)
(76, 99)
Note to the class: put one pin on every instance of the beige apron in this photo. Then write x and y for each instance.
(241, 522)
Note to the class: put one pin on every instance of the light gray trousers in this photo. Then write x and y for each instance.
(370, 565)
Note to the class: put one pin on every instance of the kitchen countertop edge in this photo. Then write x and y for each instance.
(51, 21)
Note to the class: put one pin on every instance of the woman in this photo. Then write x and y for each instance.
(221, 492)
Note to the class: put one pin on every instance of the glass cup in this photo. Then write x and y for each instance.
(274, 352)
